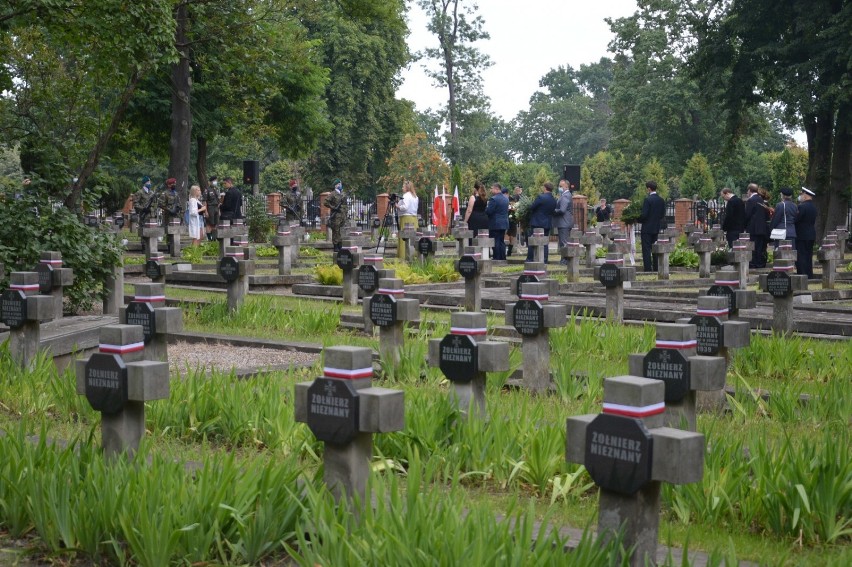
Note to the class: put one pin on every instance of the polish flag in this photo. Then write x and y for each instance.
(456, 213)
(435, 208)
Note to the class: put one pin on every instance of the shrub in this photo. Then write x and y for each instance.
(329, 275)
(260, 225)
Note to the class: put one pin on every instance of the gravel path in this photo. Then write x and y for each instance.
(224, 357)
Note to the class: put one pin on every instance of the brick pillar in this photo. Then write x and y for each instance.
(273, 203)
(683, 213)
(324, 211)
(617, 207)
(381, 205)
(581, 211)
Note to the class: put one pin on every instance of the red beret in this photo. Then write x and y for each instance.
(171, 181)
(292, 183)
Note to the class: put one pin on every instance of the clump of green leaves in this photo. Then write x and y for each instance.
(267, 251)
(260, 224)
(329, 275)
(29, 225)
(432, 271)
(683, 257)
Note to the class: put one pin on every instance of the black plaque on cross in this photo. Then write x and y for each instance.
(153, 269)
(333, 408)
(383, 310)
(725, 291)
(45, 278)
(457, 358)
(425, 246)
(524, 279)
(670, 366)
(779, 284)
(528, 316)
(618, 453)
(13, 308)
(345, 260)
(229, 269)
(142, 313)
(368, 278)
(119, 221)
(610, 275)
(106, 382)
(710, 334)
(468, 267)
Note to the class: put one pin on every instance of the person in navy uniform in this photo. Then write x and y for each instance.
(806, 233)
(734, 221)
(541, 215)
(653, 214)
(498, 220)
(758, 231)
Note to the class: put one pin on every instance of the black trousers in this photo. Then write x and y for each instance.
(649, 260)
(805, 257)
(732, 236)
(499, 237)
(758, 257)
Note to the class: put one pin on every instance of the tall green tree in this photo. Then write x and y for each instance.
(697, 179)
(795, 54)
(457, 27)
(71, 69)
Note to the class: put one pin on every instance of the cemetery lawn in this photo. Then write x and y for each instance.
(777, 485)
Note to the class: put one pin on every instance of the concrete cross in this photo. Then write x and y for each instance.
(53, 278)
(22, 310)
(615, 276)
(149, 310)
(389, 311)
(471, 266)
(782, 284)
(235, 267)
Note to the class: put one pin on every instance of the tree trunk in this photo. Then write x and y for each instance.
(73, 199)
(820, 132)
(201, 162)
(181, 136)
(841, 174)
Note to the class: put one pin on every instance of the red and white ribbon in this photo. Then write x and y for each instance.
(712, 312)
(475, 255)
(534, 272)
(535, 297)
(634, 411)
(388, 291)
(727, 282)
(348, 374)
(677, 345)
(373, 259)
(24, 287)
(476, 331)
(783, 268)
(150, 298)
(614, 261)
(156, 258)
(234, 254)
(121, 349)
(284, 233)
(51, 262)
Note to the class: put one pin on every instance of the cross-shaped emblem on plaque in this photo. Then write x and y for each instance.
(665, 357)
(330, 389)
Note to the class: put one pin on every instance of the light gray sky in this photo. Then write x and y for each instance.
(528, 38)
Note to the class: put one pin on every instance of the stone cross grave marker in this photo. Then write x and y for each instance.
(533, 318)
(174, 230)
(227, 231)
(471, 266)
(739, 257)
(389, 311)
(828, 255)
(538, 241)
(117, 383)
(534, 272)
(571, 253)
(465, 356)
(152, 233)
(842, 237)
(726, 285)
(615, 277)
(628, 453)
(785, 251)
(715, 334)
(407, 238)
(620, 244)
(369, 274)
(462, 234)
(156, 268)
(782, 284)
(349, 260)
(704, 247)
(53, 278)
(718, 235)
(343, 410)
(483, 244)
(675, 362)
(149, 310)
(662, 248)
(605, 229)
(22, 310)
(235, 267)
(428, 246)
(285, 240)
(591, 240)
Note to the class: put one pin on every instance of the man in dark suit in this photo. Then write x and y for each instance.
(734, 222)
(541, 215)
(653, 214)
(805, 233)
(498, 220)
(232, 203)
(758, 231)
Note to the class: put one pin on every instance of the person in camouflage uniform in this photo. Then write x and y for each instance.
(336, 203)
(211, 200)
(144, 204)
(291, 203)
(170, 206)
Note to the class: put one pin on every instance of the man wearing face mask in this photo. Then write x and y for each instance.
(805, 233)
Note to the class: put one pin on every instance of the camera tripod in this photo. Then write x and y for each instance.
(385, 227)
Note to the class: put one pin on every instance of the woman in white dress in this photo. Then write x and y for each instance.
(195, 210)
